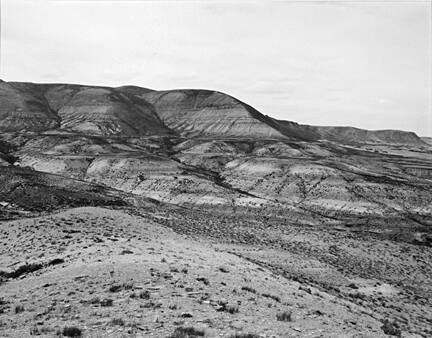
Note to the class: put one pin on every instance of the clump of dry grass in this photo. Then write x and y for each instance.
(72, 331)
(19, 308)
(275, 298)
(186, 332)
(144, 294)
(228, 308)
(117, 322)
(248, 289)
(285, 316)
(106, 302)
(391, 328)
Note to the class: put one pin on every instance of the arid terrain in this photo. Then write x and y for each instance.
(130, 212)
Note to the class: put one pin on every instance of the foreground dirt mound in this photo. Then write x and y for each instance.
(103, 272)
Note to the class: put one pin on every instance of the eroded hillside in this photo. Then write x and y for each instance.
(226, 220)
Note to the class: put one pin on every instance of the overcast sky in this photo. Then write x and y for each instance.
(364, 64)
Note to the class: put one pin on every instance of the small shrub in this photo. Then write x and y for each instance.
(151, 305)
(204, 280)
(231, 309)
(19, 308)
(228, 308)
(72, 331)
(245, 335)
(115, 288)
(24, 269)
(186, 332)
(305, 289)
(56, 261)
(42, 330)
(352, 286)
(248, 289)
(3, 305)
(284, 316)
(391, 328)
(118, 322)
(275, 298)
(144, 294)
(119, 287)
(128, 286)
(107, 302)
(94, 300)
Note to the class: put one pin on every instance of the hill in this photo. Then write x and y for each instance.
(85, 109)
(135, 111)
(226, 221)
(356, 135)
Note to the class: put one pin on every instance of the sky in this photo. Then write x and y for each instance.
(346, 63)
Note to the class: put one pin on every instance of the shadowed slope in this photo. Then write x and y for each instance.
(85, 109)
(107, 112)
(24, 109)
(428, 140)
(37, 191)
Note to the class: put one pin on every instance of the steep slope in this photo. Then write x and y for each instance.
(104, 111)
(210, 113)
(3, 160)
(297, 131)
(427, 140)
(5, 157)
(356, 135)
(24, 109)
(86, 109)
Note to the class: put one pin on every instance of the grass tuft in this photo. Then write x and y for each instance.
(284, 316)
(186, 332)
(391, 328)
(72, 331)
